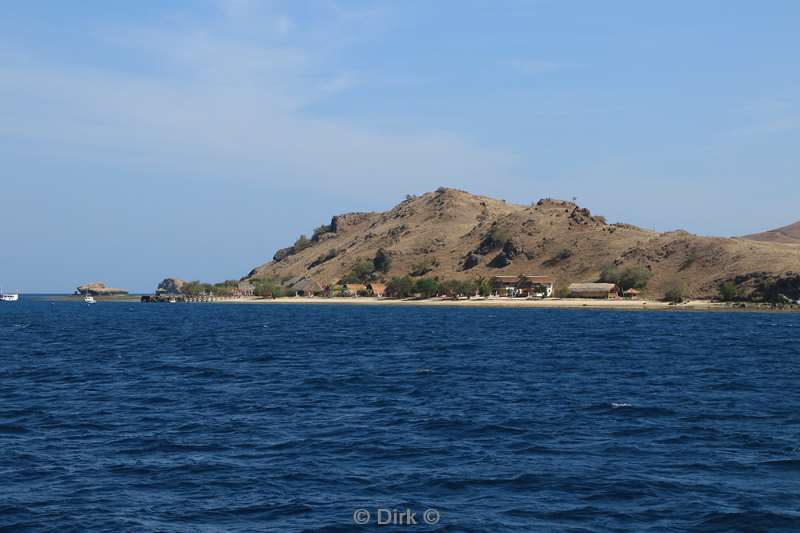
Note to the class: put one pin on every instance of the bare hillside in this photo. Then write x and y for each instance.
(788, 234)
(454, 234)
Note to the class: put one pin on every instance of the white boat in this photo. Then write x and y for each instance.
(173, 300)
(8, 296)
(89, 299)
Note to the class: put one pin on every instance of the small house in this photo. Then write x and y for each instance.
(523, 286)
(377, 289)
(605, 291)
(630, 293)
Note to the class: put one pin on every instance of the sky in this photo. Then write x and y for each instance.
(148, 139)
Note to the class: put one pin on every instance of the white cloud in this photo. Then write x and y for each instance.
(216, 105)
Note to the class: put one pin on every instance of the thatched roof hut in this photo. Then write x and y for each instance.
(593, 290)
(308, 287)
(377, 289)
(354, 289)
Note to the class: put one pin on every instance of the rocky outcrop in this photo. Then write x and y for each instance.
(511, 250)
(99, 289)
(171, 286)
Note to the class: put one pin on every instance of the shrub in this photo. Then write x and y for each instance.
(427, 287)
(483, 286)
(468, 288)
(729, 292)
(226, 288)
(499, 236)
(268, 288)
(421, 268)
(301, 244)
(195, 288)
(454, 287)
(333, 252)
(562, 292)
(282, 254)
(382, 262)
(675, 295)
(690, 260)
(781, 289)
(321, 230)
(609, 274)
(400, 287)
(361, 272)
(635, 277)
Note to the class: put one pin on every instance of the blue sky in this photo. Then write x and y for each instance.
(148, 139)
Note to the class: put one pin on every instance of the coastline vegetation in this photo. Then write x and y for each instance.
(634, 277)
(196, 288)
(405, 287)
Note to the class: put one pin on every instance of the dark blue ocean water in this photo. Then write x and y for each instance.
(136, 417)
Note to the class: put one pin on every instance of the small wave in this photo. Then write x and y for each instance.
(783, 464)
(615, 405)
(522, 481)
(748, 521)
(10, 429)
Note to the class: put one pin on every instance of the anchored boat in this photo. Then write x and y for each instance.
(8, 296)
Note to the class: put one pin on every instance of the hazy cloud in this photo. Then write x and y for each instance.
(217, 105)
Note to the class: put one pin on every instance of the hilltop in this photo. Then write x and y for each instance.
(788, 234)
(452, 234)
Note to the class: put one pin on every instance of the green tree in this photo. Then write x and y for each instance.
(382, 262)
(609, 274)
(196, 288)
(451, 287)
(675, 295)
(635, 277)
(427, 287)
(360, 273)
(562, 292)
(321, 230)
(301, 244)
(468, 288)
(538, 288)
(264, 288)
(400, 287)
(729, 292)
(483, 286)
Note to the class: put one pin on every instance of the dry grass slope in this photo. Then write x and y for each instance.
(453, 234)
(788, 234)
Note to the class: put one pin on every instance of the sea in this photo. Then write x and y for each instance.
(340, 418)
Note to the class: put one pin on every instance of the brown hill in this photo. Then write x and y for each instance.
(788, 234)
(454, 234)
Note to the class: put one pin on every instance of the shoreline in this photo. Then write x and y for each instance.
(549, 303)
